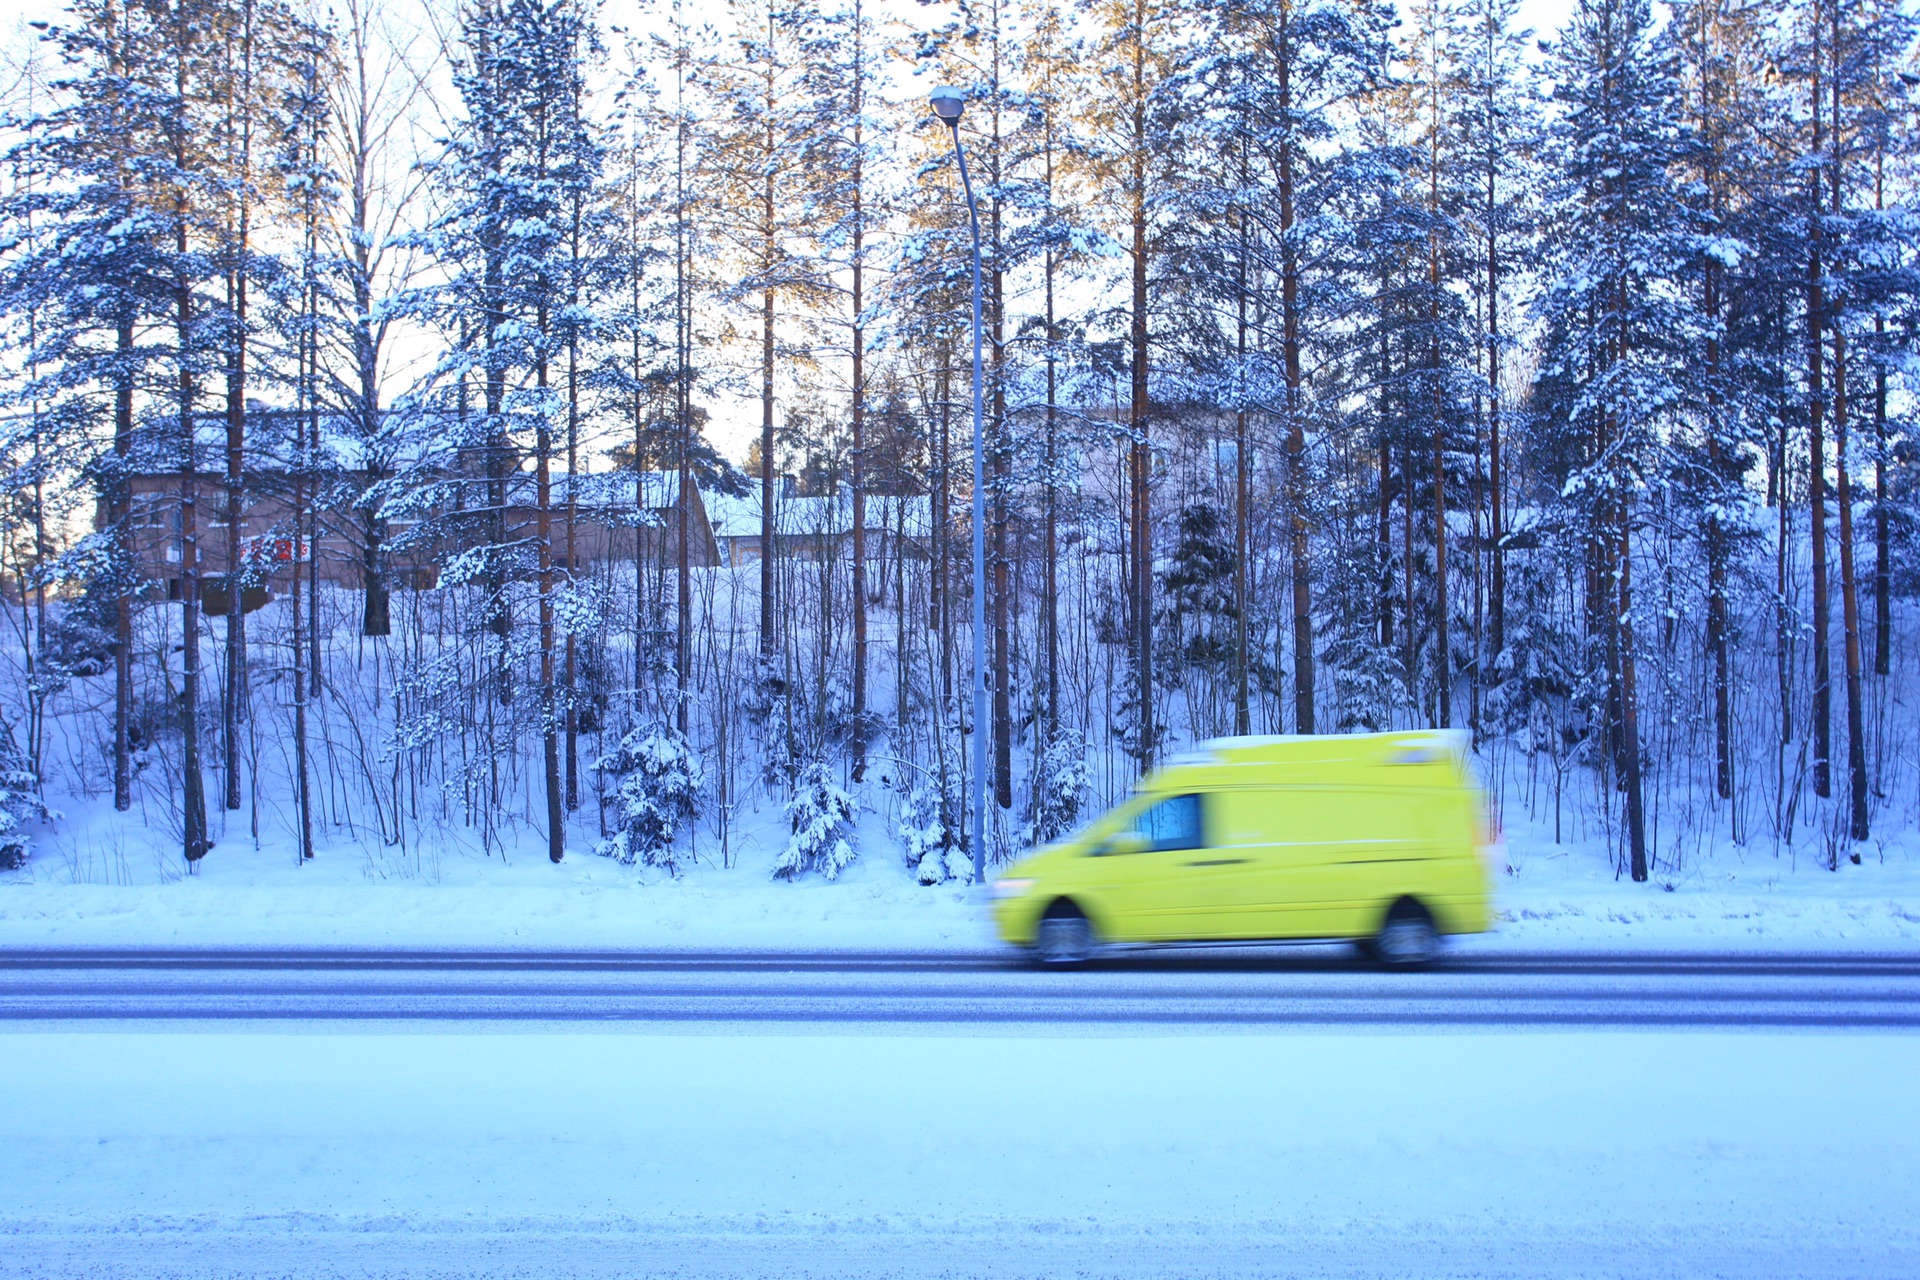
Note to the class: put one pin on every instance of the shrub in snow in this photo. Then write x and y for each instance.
(661, 781)
(19, 804)
(769, 708)
(927, 838)
(1127, 729)
(821, 817)
(1061, 782)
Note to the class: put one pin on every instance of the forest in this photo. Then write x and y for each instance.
(487, 415)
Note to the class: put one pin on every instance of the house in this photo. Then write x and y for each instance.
(615, 516)
(821, 527)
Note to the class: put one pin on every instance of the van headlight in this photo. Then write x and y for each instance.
(1003, 889)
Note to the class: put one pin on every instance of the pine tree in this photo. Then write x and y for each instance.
(844, 71)
(758, 159)
(1134, 61)
(1620, 331)
(1498, 126)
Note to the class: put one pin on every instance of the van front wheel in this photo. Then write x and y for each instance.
(1407, 937)
(1065, 936)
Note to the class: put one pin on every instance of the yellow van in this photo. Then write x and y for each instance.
(1381, 838)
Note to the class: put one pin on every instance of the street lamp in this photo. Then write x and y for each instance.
(947, 104)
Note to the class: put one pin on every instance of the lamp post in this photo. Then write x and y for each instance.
(948, 104)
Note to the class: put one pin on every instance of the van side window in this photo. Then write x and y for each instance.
(1174, 823)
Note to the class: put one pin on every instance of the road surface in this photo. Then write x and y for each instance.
(1179, 1115)
(1169, 988)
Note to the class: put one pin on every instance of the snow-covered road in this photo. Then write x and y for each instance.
(1195, 987)
(917, 1116)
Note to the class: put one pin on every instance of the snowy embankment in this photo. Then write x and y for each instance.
(100, 879)
(408, 1154)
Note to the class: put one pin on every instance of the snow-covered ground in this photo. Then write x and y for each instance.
(100, 879)
(753, 1153)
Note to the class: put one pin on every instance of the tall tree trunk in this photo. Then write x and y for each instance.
(1442, 629)
(193, 799)
(767, 533)
(309, 386)
(640, 460)
(683, 408)
(1782, 616)
(1383, 533)
(1140, 454)
(493, 302)
(1496, 482)
(570, 669)
(1442, 612)
(858, 461)
(1242, 490)
(376, 604)
(1817, 473)
(1882, 530)
(939, 586)
(233, 707)
(1630, 702)
(1849, 603)
(121, 510)
(543, 539)
(1718, 643)
(1298, 525)
(1409, 605)
(1050, 533)
(1002, 483)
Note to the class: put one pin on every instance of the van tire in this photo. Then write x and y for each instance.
(1407, 938)
(1065, 936)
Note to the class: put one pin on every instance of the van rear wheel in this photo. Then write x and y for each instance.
(1065, 936)
(1407, 937)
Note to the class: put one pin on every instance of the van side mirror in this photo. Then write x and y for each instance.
(1127, 842)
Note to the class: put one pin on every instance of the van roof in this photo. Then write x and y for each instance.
(1416, 757)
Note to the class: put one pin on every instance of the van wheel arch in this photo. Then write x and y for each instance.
(1408, 936)
(1066, 934)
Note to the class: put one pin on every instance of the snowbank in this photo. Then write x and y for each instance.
(100, 879)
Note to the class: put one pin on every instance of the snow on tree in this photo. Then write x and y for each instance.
(19, 802)
(1061, 784)
(928, 841)
(820, 815)
(662, 781)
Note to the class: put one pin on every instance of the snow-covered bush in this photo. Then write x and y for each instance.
(769, 709)
(1061, 782)
(19, 804)
(821, 816)
(927, 838)
(662, 779)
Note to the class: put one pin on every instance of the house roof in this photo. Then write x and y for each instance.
(819, 516)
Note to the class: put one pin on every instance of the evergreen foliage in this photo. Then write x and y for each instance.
(661, 783)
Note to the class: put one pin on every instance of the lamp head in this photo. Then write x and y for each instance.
(948, 103)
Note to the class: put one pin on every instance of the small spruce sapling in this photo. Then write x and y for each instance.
(821, 816)
(927, 838)
(1061, 783)
(19, 803)
(662, 779)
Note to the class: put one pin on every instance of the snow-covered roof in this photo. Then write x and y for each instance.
(818, 516)
(600, 490)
